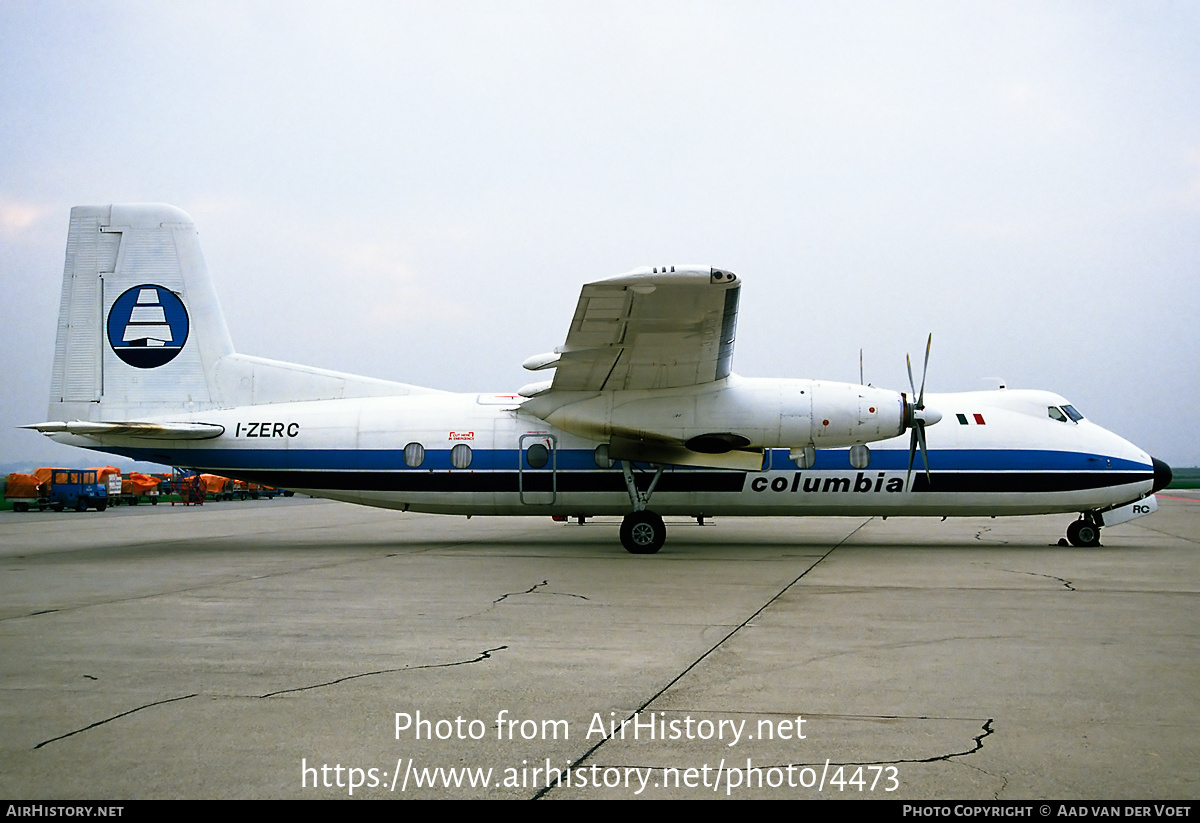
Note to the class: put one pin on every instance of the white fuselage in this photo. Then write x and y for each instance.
(993, 453)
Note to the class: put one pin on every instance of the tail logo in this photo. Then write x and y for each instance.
(147, 326)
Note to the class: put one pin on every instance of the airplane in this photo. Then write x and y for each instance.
(642, 418)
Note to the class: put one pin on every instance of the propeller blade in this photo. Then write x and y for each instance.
(917, 419)
(924, 371)
(917, 440)
(912, 452)
(920, 432)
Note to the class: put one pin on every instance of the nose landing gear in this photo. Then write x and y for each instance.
(1083, 532)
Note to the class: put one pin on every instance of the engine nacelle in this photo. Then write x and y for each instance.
(740, 413)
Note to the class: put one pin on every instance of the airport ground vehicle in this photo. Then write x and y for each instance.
(59, 489)
(78, 489)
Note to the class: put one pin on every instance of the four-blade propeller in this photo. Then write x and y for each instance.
(918, 417)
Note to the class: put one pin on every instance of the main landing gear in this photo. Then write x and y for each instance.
(642, 531)
(1084, 532)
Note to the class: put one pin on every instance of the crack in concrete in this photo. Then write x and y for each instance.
(987, 731)
(114, 717)
(530, 590)
(979, 536)
(1067, 584)
(533, 589)
(484, 655)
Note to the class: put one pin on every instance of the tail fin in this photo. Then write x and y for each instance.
(141, 334)
(139, 327)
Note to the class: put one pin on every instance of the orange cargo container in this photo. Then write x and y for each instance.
(24, 491)
(137, 486)
(216, 486)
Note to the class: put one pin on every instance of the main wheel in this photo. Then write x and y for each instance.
(643, 532)
(1083, 533)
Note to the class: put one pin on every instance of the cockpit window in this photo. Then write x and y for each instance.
(1071, 413)
(1056, 414)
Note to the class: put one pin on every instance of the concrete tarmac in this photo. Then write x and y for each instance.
(264, 650)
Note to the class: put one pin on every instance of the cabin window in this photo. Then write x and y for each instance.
(1056, 414)
(414, 455)
(460, 456)
(537, 456)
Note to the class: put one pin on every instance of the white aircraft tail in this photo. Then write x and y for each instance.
(141, 334)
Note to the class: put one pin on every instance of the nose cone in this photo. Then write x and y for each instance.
(1162, 474)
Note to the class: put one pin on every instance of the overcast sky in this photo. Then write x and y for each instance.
(416, 191)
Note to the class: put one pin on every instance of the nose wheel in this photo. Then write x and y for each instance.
(643, 532)
(1083, 533)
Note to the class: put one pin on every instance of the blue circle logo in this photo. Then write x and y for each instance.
(147, 326)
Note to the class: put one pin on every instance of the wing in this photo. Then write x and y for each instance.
(649, 329)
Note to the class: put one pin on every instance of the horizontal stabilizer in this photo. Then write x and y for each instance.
(154, 431)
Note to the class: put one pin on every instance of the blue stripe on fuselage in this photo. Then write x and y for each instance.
(583, 459)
